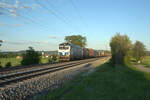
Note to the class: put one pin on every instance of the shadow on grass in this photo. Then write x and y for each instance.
(106, 83)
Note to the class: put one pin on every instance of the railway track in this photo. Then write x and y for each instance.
(31, 67)
(27, 74)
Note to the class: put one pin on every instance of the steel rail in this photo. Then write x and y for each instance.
(6, 80)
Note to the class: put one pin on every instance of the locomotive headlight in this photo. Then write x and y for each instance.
(66, 53)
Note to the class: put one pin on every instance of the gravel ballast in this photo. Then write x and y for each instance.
(27, 88)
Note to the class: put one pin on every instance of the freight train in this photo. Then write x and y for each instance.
(68, 52)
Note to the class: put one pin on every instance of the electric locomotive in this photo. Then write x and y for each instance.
(68, 51)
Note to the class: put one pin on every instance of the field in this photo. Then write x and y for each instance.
(14, 61)
(17, 62)
(106, 83)
(146, 61)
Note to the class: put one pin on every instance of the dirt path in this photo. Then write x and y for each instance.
(143, 68)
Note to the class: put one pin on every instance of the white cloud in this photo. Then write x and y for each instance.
(3, 5)
(3, 24)
(35, 6)
(53, 37)
(25, 42)
(17, 25)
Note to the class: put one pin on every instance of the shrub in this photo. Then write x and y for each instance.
(0, 65)
(120, 46)
(8, 64)
(31, 57)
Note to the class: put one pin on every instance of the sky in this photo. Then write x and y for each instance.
(43, 24)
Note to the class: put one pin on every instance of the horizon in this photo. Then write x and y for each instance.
(44, 24)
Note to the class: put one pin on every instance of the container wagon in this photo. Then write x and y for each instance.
(95, 53)
(91, 52)
(99, 53)
(85, 53)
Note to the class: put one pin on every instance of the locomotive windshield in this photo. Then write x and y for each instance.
(63, 47)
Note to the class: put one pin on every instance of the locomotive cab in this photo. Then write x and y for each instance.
(64, 52)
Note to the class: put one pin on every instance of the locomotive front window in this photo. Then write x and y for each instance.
(60, 48)
(63, 48)
(66, 48)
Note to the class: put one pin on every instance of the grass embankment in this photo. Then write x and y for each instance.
(146, 61)
(106, 83)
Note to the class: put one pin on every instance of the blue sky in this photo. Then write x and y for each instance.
(43, 24)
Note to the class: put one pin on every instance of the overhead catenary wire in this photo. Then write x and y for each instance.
(59, 15)
(14, 12)
(27, 19)
(78, 13)
(52, 10)
(37, 20)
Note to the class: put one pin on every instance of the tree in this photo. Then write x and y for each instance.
(120, 46)
(31, 57)
(76, 40)
(8, 64)
(139, 51)
(1, 42)
(0, 53)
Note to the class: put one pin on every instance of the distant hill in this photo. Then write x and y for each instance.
(50, 52)
(23, 51)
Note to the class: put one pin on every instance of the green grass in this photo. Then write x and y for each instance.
(106, 83)
(146, 61)
(14, 61)
(17, 62)
(44, 60)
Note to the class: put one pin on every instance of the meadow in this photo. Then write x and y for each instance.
(17, 62)
(106, 83)
(146, 61)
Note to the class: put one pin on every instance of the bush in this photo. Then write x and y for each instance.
(120, 46)
(0, 65)
(52, 59)
(139, 51)
(31, 57)
(8, 64)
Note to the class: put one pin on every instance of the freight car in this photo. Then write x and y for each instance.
(85, 53)
(68, 51)
(91, 52)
